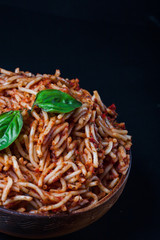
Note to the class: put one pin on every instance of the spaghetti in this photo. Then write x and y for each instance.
(59, 162)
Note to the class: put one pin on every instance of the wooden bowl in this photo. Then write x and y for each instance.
(44, 226)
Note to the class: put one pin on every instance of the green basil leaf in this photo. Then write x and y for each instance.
(52, 100)
(10, 126)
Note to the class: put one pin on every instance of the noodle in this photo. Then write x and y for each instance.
(59, 162)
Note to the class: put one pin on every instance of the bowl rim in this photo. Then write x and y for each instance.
(122, 181)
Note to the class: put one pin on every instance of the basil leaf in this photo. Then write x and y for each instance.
(52, 100)
(10, 126)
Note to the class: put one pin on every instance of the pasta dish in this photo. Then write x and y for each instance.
(61, 148)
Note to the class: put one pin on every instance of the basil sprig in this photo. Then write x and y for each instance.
(10, 126)
(52, 100)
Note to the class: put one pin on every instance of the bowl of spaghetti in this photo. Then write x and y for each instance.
(64, 159)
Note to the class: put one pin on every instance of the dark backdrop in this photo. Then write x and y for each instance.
(112, 47)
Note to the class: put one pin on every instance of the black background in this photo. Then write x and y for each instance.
(113, 47)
